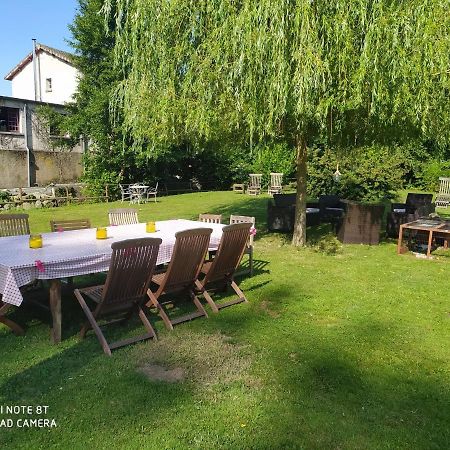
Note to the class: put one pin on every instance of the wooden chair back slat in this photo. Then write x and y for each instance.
(210, 218)
(69, 225)
(244, 219)
(123, 216)
(130, 272)
(229, 254)
(14, 225)
(187, 259)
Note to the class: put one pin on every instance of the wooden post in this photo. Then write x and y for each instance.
(430, 242)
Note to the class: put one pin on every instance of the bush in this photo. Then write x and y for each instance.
(367, 173)
(4, 196)
(329, 245)
(274, 157)
(428, 176)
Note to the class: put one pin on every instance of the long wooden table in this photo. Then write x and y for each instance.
(432, 227)
(72, 253)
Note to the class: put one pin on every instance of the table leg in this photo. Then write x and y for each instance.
(430, 241)
(399, 243)
(55, 308)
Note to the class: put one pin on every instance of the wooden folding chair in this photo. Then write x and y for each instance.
(276, 183)
(443, 197)
(14, 224)
(123, 216)
(181, 274)
(249, 249)
(210, 218)
(125, 290)
(254, 185)
(223, 267)
(16, 329)
(69, 224)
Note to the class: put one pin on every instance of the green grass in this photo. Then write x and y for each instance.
(345, 352)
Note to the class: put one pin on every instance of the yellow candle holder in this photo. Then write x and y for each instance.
(101, 233)
(150, 227)
(35, 241)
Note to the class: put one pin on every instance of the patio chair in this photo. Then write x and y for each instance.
(14, 225)
(222, 268)
(210, 218)
(276, 183)
(124, 292)
(181, 274)
(69, 225)
(15, 328)
(152, 192)
(125, 192)
(443, 198)
(415, 207)
(332, 209)
(249, 249)
(123, 216)
(254, 186)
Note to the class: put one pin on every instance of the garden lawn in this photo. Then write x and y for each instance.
(349, 351)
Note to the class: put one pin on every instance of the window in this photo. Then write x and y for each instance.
(48, 85)
(9, 119)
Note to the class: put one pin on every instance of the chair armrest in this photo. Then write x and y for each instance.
(398, 206)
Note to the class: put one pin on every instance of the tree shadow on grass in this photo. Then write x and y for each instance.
(333, 397)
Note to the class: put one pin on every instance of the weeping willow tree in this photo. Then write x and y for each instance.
(290, 69)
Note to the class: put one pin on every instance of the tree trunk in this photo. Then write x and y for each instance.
(299, 237)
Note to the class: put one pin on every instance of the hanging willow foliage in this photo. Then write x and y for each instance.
(290, 68)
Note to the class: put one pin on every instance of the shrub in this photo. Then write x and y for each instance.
(367, 173)
(428, 176)
(274, 157)
(329, 245)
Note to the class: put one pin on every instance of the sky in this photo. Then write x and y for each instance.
(22, 20)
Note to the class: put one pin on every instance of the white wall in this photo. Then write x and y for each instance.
(64, 80)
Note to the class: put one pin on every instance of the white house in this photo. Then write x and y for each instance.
(49, 77)
(30, 152)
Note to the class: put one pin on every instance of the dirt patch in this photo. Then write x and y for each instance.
(160, 373)
(201, 358)
(266, 306)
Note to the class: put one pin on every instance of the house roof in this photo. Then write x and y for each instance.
(63, 56)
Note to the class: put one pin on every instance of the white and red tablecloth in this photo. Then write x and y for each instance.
(72, 253)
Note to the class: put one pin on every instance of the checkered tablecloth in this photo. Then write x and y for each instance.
(72, 253)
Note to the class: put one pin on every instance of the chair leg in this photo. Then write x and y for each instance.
(162, 313)
(208, 298)
(93, 323)
(146, 322)
(198, 303)
(15, 328)
(238, 291)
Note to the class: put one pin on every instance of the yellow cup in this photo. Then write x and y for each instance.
(150, 227)
(35, 241)
(101, 233)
